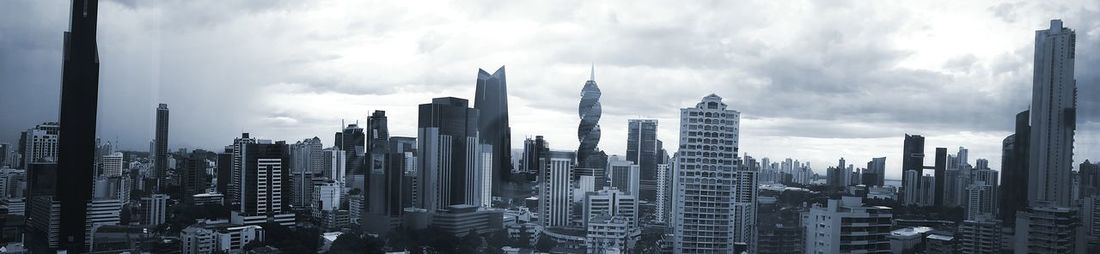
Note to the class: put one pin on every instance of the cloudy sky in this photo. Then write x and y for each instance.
(814, 80)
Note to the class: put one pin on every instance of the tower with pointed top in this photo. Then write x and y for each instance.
(491, 101)
(589, 111)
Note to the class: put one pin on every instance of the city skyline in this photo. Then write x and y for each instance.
(996, 60)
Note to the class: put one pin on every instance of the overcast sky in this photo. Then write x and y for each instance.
(814, 80)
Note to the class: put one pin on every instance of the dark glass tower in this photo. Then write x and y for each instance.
(353, 141)
(446, 133)
(589, 110)
(491, 101)
(376, 190)
(161, 161)
(912, 158)
(940, 169)
(1014, 169)
(76, 141)
(641, 148)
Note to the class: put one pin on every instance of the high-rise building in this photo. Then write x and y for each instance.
(353, 142)
(588, 131)
(237, 171)
(641, 148)
(76, 136)
(1089, 175)
(982, 196)
(112, 164)
(624, 175)
(829, 229)
(1014, 169)
(1053, 117)
(447, 153)
(491, 101)
(912, 166)
(940, 171)
(980, 237)
(555, 189)
(534, 154)
(1048, 229)
(160, 161)
(264, 177)
(39, 143)
(306, 156)
(377, 143)
(333, 166)
(715, 201)
(193, 177)
(155, 209)
(664, 193)
(875, 174)
(101, 212)
(611, 201)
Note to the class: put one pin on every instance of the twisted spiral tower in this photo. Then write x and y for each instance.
(589, 130)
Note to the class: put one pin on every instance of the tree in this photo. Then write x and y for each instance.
(545, 244)
(346, 243)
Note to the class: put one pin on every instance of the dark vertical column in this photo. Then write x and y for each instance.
(940, 170)
(79, 99)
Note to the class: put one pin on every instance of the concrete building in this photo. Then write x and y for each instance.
(714, 200)
(830, 229)
(1048, 230)
(459, 220)
(154, 209)
(555, 189)
(979, 237)
(610, 201)
(611, 234)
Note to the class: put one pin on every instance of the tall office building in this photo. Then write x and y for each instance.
(39, 143)
(641, 148)
(1053, 117)
(912, 164)
(715, 200)
(847, 226)
(939, 172)
(624, 175)
(306, 161)
(264, 176)
(43, 209)
(154, 208)
(555, 189)
(160, 161)
(588, 131)
(875, 174)
(76, 137)
(1014, 169)
(447, 152)
(334, 163)
(193, 178)
(112, 164)
(353, 141)
(236, 172)
(377, 143)
(534, 154)
(491, 101)
(981, 203)
(611, 201)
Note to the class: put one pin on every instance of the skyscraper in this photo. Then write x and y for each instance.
(491, 101)
(378, 136)
(534, 154)
(912, 160)
(193, 178)
(38, 143)
(555, 189)
(714, 207)
(641, 148)
(233, 197)
(160, 163)
(875, 175)
(447, 152)
(829, 228)
(940, 169)
(76, 138)
(353, 142)
(265, 174)
(1053, 117)
(624, 175)
(588, 132)
(1014, 169)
